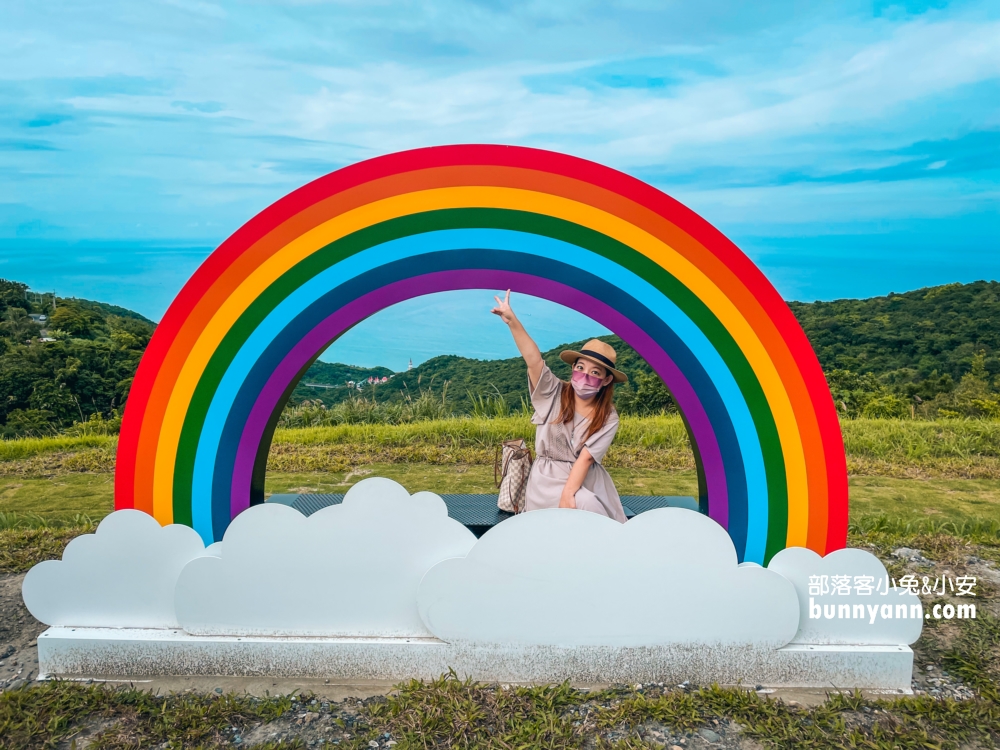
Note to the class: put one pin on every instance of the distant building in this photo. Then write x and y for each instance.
(410, 367)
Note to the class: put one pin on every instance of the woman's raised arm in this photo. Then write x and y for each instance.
(525, 344)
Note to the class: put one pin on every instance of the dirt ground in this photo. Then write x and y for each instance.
(329, 710)
(18, 634)
(328, 715)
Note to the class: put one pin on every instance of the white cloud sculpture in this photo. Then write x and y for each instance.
(350, 569)
(568, 578)
(884, 616)
(122, 576)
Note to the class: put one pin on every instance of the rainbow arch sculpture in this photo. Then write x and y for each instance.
(230, 349)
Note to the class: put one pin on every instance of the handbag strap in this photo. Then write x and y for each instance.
(500, 467)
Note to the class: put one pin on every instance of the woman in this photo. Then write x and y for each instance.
(574, 422)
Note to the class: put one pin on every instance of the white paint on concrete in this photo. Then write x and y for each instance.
(123, 575)
(806, 569)
(348, 569)
(387, 587)
(144, 653)
(563, 578)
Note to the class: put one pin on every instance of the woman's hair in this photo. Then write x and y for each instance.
(604, 403)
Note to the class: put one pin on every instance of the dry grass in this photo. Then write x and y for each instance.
(47, 464)
(297, 458)
(20, 548)
(11, 450)
(907, 449)
(450, 713)
(981, 467)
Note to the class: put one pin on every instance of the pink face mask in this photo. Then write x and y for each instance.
(585, 384)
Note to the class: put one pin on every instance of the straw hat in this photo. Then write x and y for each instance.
(599, 352)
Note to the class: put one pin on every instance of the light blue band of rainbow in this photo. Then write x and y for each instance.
(283, 325)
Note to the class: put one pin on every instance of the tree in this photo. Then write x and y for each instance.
(645, 393)
(12, 294)
(73, 319)
(973, 396)
(885, 406)
(86, 370)
(18, 326)
(57, 400)
(30, 423)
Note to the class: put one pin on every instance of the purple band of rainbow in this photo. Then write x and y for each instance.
(354, 312)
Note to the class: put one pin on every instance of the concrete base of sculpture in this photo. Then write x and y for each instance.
(65, 652)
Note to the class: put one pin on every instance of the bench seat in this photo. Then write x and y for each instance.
(479, 513)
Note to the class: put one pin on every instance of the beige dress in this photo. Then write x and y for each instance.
(557, 447)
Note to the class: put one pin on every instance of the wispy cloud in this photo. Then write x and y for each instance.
(13, 144)
(180, 119)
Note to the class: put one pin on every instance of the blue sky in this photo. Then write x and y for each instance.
(850, 149)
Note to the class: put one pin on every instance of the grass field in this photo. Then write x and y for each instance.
(885, 447)
(910, 470)
(959, 449)
(930, 486)
(62, 497)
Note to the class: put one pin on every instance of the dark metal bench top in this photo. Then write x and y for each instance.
(480, 511)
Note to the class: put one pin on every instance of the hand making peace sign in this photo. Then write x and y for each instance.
(503, 309)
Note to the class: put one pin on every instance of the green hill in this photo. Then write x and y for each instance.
(881, 355)
(66, 363)
(459, 380)
(909, 336)
(329, 382)
(104, 309)
(932, 351)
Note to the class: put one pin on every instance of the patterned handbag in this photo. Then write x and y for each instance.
(511, 467)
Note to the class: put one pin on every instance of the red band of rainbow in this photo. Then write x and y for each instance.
(233, 343)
